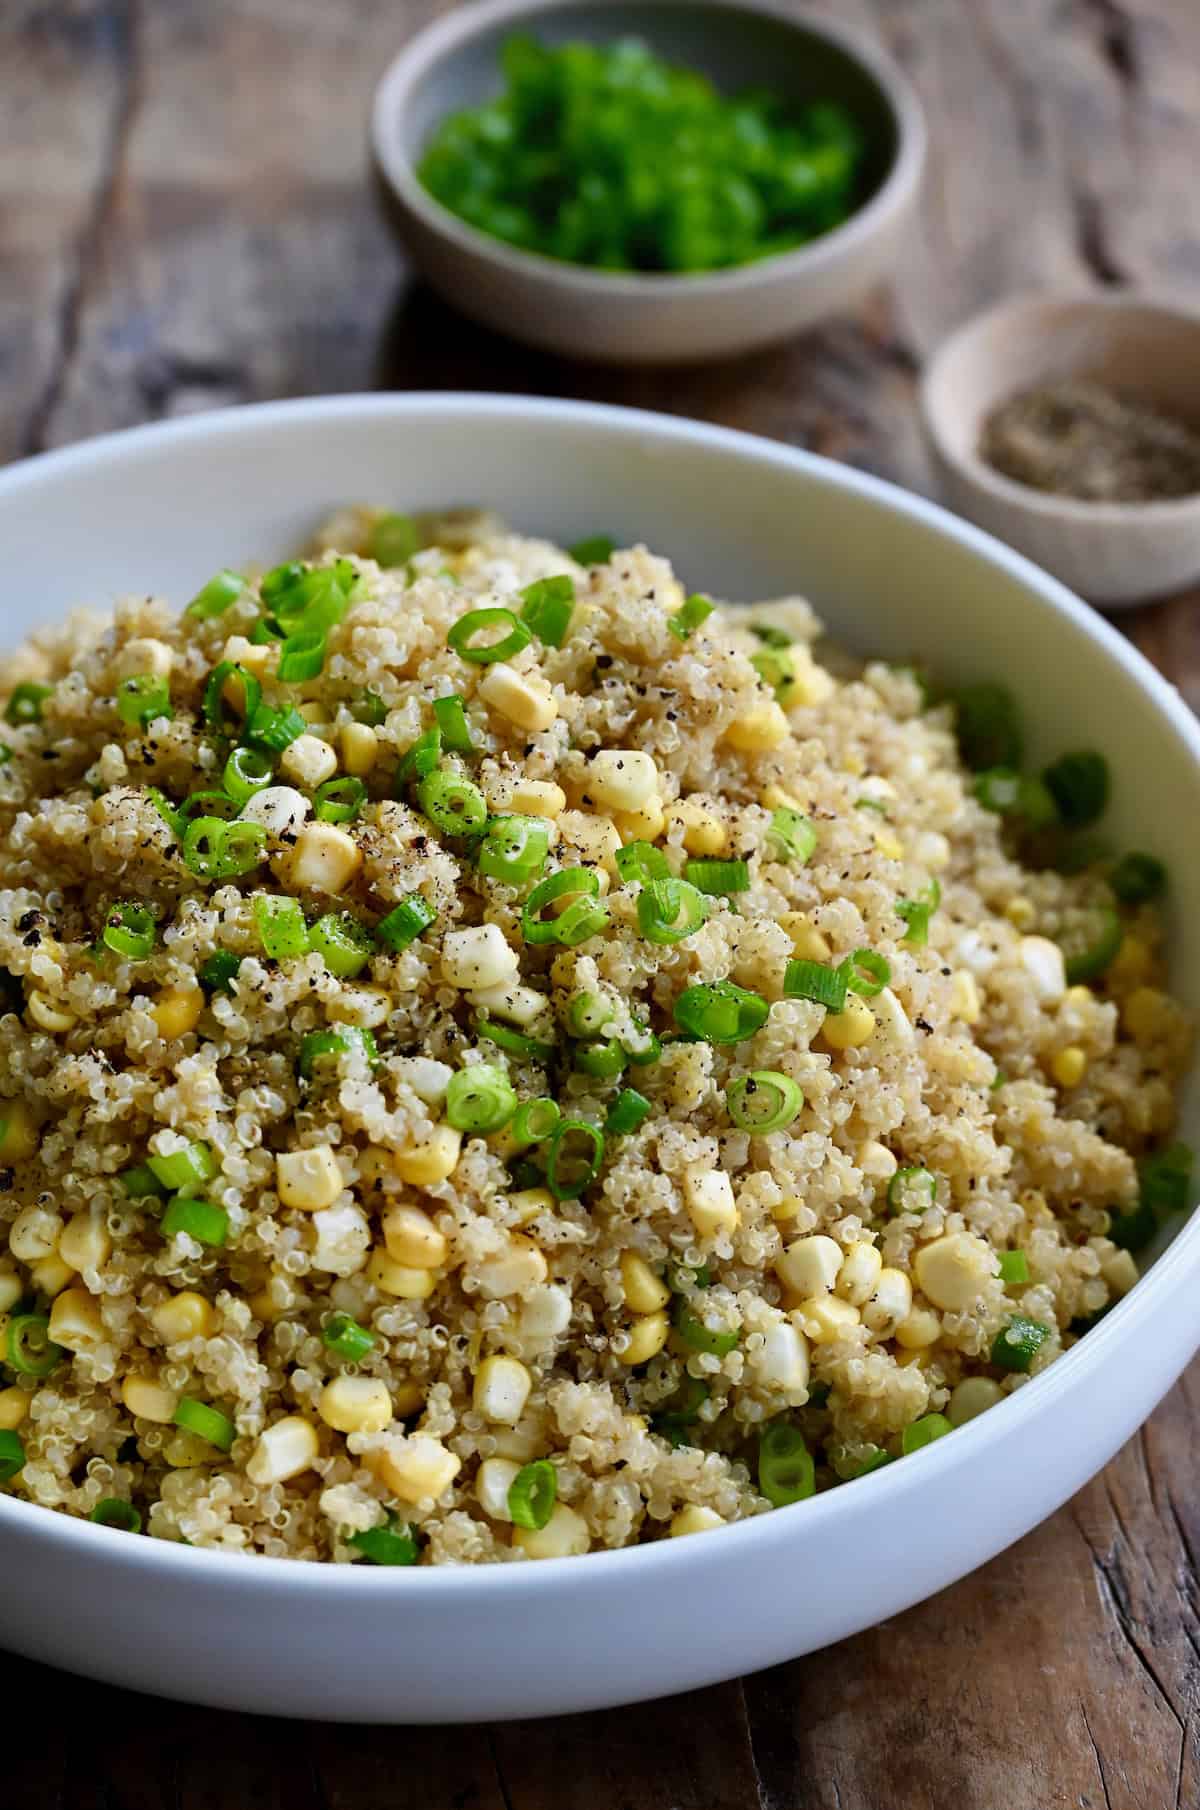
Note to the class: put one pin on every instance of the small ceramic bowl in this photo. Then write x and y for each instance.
(1115, 554)
(638, 318)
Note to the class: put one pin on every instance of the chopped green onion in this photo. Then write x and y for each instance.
(1134, 1230)
(866, 972)
(546, 608)
(405, 922)
(516, 1043)
(532, 1493)
(206, 1422)
(682, 1411)
(281, 579)
(188, 1168)
(114, 1511)
(140, 1181)
(987, 726)
(1166, 1180)
(340, 800)
(911, 1190)
(265, 632)
(511, 638)
(923, 1432)
(813, 980)
(368, 707)
(214, 598)
(786, 1472)
(535, 1120)
(874, 1460)
(220, 971)
(769, 635)
(1137, 878)
(588, 1013)
(1013, 794)
(720, 1012)
(1018, 1342)
(302, 656)
(776, 667)
(1090, 942)
(129, 931)
(643, 1054)
(627, 1112)
(514, 849)
(451, 717)
(198, 1219)
(916, 913)
(6, 754)
(395, 1544)
(346, 1338)
(342, 942)
(763, 1101)
(25, 702)
(670, 910)
(214, 850)
(29, 1349)
(247, 771)
(281, 928)
(143, 698)
(690, 615)
(454, 805)
(393, 539)
(699, 1336)
(480, 1099)
(605, 1059)
(174, 819)
(574, 1159)
(791, 835)
(568, 881)
(719, 879)
(1014, 1267)
(593, 550)
(218, 712)
(1079, 785)
(12, 1454)
(207, 804)
(319, 1044)
(641, 861)
(420, 760)
(276, 729)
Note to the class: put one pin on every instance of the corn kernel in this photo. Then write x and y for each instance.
(972, 1397)
(256, 656)
(326, 859)
(889, 845)
(1069, 1066)
(810, 1266)
(417, 1467)
(824, 1319)
(51, 1275)
(11, 1289)
(148, 1400)
(1143, 1013)
(889, 1305)
(710, 1202)
(34, 1233)
(859, 1274)
(850, 1028)
(694, 1519)
(308, 761)
(184, 1316)
(356, 1404)
(782, 1360)
(18, 1137)
(493, 1480)
(50, 1017)
(565, 1535)
(922, 1327)
(1043, 963)
(622, 779)
(964, 997)
(478, 957)
(177, 1011)
(524, 698)
(808, 943)
(647, 1336)
(539, 798)
(360, 749)
(407, 1399)
(954, 1270)
(501, 1389)
(85, 1243)
(75, 1320)
(284, 1449)
(763, 727)
(1079, 996)
(645, 1292)
(643, 825)
(413, 1239)
(400, 1280)
(527, 1203)
(432, 1159)
(308, 1179)
(1120, 1272)
(1020, 913)
(145, 654)
(14, 1406)
(774, 798)
(519, 1266)
(700, 830)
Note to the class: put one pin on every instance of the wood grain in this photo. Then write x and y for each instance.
(185, 221)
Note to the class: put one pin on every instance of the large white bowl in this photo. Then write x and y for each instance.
(161, 508)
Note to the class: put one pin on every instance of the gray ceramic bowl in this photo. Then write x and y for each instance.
(643, 319)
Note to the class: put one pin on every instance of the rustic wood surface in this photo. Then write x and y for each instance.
(185, 222)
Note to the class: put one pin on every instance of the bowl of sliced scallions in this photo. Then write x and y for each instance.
(646, 182)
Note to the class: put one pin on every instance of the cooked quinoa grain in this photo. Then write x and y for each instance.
(587, 1075)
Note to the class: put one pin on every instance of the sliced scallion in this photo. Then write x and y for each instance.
(339, 800)
(405, 922)
(343, 944)
(480, 1099)
(346, 1338)
(281, 928)
(514, 849)
(129, 931)
(720, 1012)
(206, 1422)
(786, 1472)
(574, 1159)
(532, 1493)
(510, 636)
(546, 608)
(214, 598)
(763, 1101)
(690, 615)
(450, 714)
(453, 804)
(719, 879)
(198, 1219)
(669, 910)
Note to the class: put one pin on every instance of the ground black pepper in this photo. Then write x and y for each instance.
(1078, 438)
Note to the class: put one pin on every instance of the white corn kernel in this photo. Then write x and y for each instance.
(645, 1292)
(524, 698)
(148, 1400)
(145, 654)
(646, 824)
(647, 1336)
(519, 1266)
(493, 1480)
(809, 1266)
(256, 656)
(75, 1320)
(545, 1312)
(309, 761)
(356, 1404)
(176, 1011)
(782, 1362)
(48, 1016)
(326, 858)
(418, 1468)
(14, 1406)
(183, 1316)
(953, 1271)
(400, 1280)
(564, 1536)
(341, 1239)
(34, 1234)
(695, 1519)
(432, 1159)
(527, 1203)
(478, 957)
(18, 1137)
(501, 1389)
(50, 1275)
(965, 1002)
(412, 1238)
(918, 1329)
(308, 1179)
(514, 1003)
(86, 1242)
(360, 749)
(1043, 962)
(859, 1274)
(280, 809)
(824, 1319)
(596, 838)
(621, 779)
(892, 1021)
(761, 729)
(876, 1160)
(973, 1396)
(710, 1202)
(1120, 1272)
(283, 1451)
(889, 1305)
(11, 1289)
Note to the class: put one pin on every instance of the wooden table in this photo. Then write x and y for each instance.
(185, 222)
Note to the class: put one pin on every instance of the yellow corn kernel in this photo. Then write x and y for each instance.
(512, 1270)
(145, 654)
(763, 727)
(400, 1280)
(432, 1159)
(407, 1399)
(1020, 913)
(255, 656)
(356, 1404)
(539, 798)
(645, 1292)
(811, 684)
(1069, 1066)
(51, 1274)
(308, 1179)
(149, 1400)
(922, 1327)
(19, 1139)
(647, 1336)
(527, 1203)
(86, 1242)
(75, 1320)
(326, 859)
(774, 798)
(263, 1306)
(417, 1468)
(413, 1239)
(808, 943)
(1131, 964)
(965, 1002)
(360, 749)
(177, 1010)
(501, 1389)
(50, 1017)
(564, 1536)
(184, 1451)
(284, 1450)
(859, 1274)
(1079, 996)
(850, 1028)
(710, 1201)
(694, 1519)
(889, 845)
(824, 1319)
(308, 761)
(184, 1316)
(953, 1271)
(1142, 1014)
(313, 714)
(700, 830)
(787, 1208)
(524, 698)
(810, 1266)
(14, 1406)
(11, 1290)
(622, 779)
(646, 824)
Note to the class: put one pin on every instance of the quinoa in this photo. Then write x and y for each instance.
(708, 1321)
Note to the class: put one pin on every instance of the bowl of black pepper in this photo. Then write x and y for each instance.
(1070, 428)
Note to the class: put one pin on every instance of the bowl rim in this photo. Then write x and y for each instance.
(1076, 511)
(165, 1561)
(448, 33)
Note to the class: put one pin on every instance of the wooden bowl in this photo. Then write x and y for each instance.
(1114, 554)
(634, 318)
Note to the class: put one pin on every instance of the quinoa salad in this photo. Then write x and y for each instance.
(502, 1057)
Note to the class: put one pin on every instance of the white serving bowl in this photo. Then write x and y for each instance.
(638, 318)
(160, 508)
